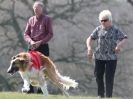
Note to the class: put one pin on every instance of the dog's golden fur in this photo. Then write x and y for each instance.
(23, 61)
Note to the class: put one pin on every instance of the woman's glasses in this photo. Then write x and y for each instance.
(105, 20)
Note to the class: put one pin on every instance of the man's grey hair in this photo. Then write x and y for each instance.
(38, 3)
(105, 14)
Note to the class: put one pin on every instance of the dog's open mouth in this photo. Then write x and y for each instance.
(12, 71)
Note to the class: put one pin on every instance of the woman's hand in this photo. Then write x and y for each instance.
(90, 54)
(117, 49)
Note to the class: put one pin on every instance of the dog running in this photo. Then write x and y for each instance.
(34, 67)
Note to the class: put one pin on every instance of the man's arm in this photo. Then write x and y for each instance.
(27, 34)
(49, 30)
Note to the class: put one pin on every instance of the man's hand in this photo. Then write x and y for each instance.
(35, 45)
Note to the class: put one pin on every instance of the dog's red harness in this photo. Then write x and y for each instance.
(35, 57)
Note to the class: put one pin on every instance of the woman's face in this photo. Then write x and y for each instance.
(38, 10)
(105, 22)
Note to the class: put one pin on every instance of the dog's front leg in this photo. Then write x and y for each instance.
(26, 85)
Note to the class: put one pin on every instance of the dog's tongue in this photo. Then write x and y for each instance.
(35, 59)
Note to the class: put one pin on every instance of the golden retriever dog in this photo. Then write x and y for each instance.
(34, 67)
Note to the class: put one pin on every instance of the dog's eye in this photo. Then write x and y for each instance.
(24, 61)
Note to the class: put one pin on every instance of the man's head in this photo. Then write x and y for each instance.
(105, 18)
(38, 8)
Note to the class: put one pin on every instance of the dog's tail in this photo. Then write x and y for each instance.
(66, 81)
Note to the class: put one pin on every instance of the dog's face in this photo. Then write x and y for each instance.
(19, 62)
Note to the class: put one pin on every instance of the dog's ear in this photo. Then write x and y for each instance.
(14, 57)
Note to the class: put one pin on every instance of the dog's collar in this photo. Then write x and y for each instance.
(35, 59)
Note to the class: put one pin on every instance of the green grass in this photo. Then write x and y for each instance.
(16, 95)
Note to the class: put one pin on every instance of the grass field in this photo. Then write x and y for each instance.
(15, 95)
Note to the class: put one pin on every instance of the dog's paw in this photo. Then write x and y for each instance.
(25, 90)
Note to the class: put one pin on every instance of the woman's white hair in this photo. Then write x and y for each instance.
(105, 14)
(38, 3)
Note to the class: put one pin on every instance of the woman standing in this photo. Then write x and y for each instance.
(109, 43)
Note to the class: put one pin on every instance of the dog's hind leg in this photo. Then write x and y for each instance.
(60, 86)
(64, 92)
(55, 80)
(44, 89)
(43, 83)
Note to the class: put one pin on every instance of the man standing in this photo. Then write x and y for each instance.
(109, 43)
(38, 31)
